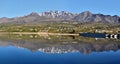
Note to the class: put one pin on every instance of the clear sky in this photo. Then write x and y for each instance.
(12, 8)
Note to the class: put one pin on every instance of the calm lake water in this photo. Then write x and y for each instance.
(37, 49)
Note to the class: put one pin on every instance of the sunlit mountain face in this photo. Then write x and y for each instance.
(58, 16)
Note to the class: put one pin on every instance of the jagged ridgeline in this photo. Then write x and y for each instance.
(58, 16)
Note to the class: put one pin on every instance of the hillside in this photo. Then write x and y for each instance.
(58, 16)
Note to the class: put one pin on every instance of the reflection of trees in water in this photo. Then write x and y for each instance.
(60, 44)
(60, 47)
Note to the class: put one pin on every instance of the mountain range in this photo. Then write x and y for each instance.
(58, 16)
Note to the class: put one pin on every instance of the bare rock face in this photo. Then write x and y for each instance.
(61, 16)
(58, 15)
(89, 17)
(84, 17)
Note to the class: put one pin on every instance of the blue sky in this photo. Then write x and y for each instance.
(12, 8)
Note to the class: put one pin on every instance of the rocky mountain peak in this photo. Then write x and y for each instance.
(86, 12)
(33, 14)
(58, 16)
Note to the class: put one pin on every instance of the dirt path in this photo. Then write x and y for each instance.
(39, 33)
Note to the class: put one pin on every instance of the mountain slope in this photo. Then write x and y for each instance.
(61, 16)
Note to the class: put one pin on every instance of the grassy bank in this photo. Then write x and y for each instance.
(63, 27)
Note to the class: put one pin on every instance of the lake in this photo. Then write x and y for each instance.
(46, 49)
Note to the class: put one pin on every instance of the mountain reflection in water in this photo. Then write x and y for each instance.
(60, 44)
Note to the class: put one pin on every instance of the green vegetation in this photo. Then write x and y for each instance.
(63, 27)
